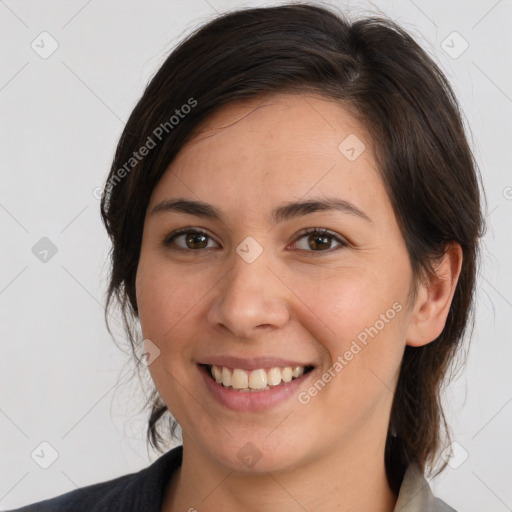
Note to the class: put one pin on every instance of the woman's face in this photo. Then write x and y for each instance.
(254, 293)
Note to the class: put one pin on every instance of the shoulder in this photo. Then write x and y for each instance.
(93, 498)
(136, 491)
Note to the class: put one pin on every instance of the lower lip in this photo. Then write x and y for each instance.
(252, 400)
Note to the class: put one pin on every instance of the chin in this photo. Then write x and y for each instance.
(251, 454)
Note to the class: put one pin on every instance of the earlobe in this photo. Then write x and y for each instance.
(434, 297)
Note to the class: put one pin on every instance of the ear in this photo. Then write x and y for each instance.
(433, 299)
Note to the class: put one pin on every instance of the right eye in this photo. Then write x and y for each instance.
(191, 240)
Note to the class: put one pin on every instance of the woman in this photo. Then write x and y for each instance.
(295, 215)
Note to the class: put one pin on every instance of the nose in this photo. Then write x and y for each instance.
(250, 298)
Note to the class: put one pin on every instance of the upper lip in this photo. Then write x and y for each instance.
(252, 363)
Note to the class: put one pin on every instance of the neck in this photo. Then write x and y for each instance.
(342, 480)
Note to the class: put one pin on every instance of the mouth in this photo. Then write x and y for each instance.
(257, 380)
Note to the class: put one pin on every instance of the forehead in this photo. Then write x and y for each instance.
(254, 153)
(282, 124)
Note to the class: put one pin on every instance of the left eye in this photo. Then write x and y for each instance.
(319, 240)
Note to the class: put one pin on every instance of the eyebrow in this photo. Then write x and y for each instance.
(282, 213)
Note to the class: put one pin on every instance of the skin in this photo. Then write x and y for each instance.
(295, 300)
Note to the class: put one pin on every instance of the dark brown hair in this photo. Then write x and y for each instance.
(380, 74)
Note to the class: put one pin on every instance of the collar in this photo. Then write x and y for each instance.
(415, 494)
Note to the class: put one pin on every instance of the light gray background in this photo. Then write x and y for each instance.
(61, 375)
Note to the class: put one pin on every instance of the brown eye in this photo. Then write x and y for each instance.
(318, 240)
(196, 241)
(189, 240)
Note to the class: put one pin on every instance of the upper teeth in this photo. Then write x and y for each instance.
(255, 379)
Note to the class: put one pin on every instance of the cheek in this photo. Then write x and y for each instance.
(167, 302)
(358, 315)
(361, 330)
(349, 299)
(165, 299)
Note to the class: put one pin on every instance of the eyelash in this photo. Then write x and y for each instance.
(308, 232)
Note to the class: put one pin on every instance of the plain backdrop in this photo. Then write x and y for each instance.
(71, 73)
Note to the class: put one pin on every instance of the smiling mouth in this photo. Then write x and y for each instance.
(263, 379)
